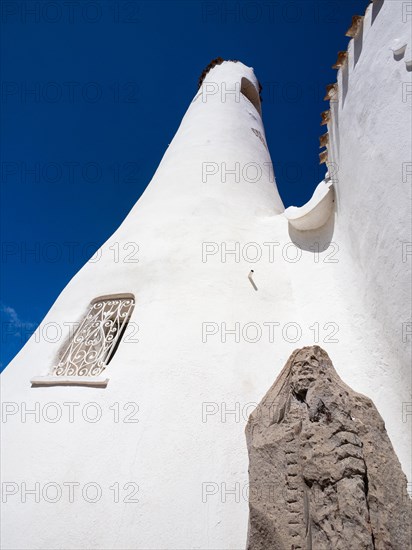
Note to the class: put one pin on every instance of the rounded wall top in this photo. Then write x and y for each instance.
(230, 76)
(229, 71)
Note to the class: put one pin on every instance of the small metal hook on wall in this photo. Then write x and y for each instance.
(251, 280)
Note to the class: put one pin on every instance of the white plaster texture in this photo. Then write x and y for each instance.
(347, 274)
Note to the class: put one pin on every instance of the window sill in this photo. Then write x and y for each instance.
(89, 381)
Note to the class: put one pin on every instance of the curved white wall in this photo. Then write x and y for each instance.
(171, 373)
(370, 158)
(370, 152)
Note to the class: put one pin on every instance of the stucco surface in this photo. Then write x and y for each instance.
(346, 280)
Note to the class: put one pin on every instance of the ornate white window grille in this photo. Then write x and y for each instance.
(96, 339)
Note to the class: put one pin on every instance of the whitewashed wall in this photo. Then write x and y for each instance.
(370, 152)
(175, 453)
(370, 159)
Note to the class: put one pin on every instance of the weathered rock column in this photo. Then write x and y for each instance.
(323, 473)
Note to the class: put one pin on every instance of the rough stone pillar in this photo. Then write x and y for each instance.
(323, 473)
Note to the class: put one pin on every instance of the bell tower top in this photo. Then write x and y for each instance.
(230, 73)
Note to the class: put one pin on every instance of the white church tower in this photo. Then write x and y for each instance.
(124, 415)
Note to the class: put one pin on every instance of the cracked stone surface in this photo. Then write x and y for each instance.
(322, 471)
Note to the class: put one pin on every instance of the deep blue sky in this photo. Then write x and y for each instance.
(93, 92)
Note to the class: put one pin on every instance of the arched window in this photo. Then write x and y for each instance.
(250, 92)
